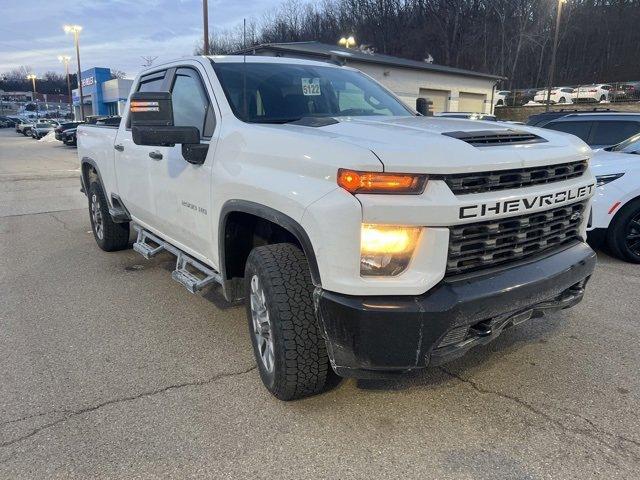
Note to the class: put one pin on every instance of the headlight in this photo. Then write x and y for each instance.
(386, 250)
(604, 179)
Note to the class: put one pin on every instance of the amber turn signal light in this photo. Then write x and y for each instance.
(376, 182)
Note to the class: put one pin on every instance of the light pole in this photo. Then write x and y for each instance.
(347, 41)
(32, 77)
(552, 68)
(66, 59)
(76, 29)
(205, 19)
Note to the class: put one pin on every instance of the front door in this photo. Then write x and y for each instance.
(132, 162)
(182, 191)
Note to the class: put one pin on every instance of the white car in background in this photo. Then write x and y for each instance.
(592, 93)
(558, 95)
(500, 98)
(615, 213)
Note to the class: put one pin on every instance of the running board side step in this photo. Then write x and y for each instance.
(189, 272)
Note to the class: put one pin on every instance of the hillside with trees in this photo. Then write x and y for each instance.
(599, 39)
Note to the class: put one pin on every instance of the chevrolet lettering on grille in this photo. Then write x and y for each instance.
(524, 204)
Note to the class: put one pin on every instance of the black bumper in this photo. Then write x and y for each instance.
(374, 337)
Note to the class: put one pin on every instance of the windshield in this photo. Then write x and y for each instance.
(630, 145)
(280, 93)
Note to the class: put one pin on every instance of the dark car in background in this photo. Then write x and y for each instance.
(517, 98)
(597, 129)
(541, 119)
(68, 137)
(63, 127)
(624, 92)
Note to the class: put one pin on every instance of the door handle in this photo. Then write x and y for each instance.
(119, 147)
(155, 155)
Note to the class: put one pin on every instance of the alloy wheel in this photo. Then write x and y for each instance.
(261, 324)
(632, 235)
(96, 216)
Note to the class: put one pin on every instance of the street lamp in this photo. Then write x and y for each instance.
(32, 77)
(76, 29)
(347, 41)
(66, 59)
(552, 68)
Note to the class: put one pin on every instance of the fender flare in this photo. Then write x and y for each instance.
(117, 209)
(271, 215)
(85, 180)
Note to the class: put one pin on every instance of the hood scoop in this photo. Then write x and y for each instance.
(491, 138)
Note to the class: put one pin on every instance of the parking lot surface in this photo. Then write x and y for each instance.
(109, 369)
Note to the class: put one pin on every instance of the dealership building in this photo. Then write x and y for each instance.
(449, 89)
(101, 94)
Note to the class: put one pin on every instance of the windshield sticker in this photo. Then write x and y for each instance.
(310, 86)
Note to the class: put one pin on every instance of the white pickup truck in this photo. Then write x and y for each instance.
(368, 240)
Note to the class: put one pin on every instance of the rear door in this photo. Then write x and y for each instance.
(182, 191)
(132, 161)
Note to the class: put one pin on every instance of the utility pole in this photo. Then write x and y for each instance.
(552, 68)
(66, 59)
(76, 29)
(205, 19)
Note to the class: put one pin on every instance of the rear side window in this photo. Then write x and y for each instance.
(579, 129)
(191, 106)
(612, 132)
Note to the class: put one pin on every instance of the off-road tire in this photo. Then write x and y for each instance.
(618, 231)
(301, 366)
(115, 236)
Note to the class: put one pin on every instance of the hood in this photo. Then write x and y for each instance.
(604, 162)
(426, 144)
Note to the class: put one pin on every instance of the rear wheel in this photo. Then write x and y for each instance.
(623, 235)
(287, 342)
(110, 236)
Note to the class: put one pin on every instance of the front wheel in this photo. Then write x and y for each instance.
(287, 342)
(563, 100)
(110, 236)
(623, 235)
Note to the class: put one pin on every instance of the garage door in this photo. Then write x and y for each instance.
(471, 102)
(440, 98)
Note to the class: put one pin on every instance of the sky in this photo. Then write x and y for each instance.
(116, 33)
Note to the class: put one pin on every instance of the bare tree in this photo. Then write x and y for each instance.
(148, 61)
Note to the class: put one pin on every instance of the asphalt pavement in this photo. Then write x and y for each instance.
(109, 369)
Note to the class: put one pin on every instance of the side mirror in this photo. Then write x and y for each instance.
(151, 115)
(422, 106)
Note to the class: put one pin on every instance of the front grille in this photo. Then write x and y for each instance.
(465, 183)
(477, 246)
(490, 138)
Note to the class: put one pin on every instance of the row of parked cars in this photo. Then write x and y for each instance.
(65, 131)
(597, 92)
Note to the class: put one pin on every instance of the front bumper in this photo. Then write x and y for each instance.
(377, 337)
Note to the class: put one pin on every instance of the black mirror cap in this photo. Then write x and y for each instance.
(422, 106)
(151, 109)
(195, 154)
(163, 136)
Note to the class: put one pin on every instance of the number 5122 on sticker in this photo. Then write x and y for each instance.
(310, 86)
